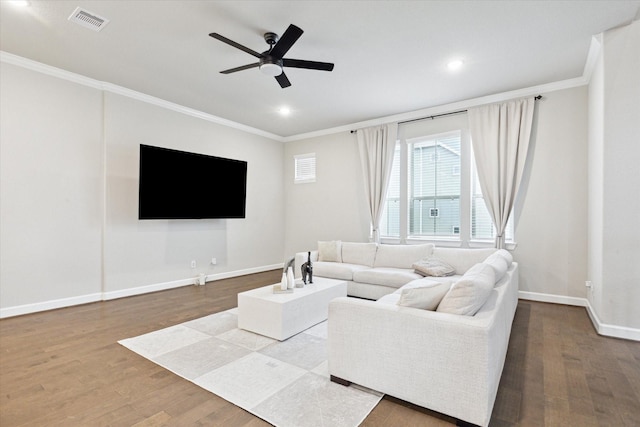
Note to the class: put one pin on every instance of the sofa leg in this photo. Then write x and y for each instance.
(340, 381)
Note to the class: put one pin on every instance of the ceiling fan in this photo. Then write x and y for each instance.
(272, 61)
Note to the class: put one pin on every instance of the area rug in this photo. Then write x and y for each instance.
(284, 383)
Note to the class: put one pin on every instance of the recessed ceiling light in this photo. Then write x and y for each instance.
(19, 3)
(454, 65)
(284, 111)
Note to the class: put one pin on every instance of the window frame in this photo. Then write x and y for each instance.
(304, 168)
(464, 237)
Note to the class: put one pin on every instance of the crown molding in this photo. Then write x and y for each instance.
(592, 57)
(447, 108)
(49, 70)
(594, 52)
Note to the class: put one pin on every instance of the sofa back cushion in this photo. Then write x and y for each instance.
(359, 253)
(469, 294)
(462, 259)
(401, 256)
(499, 264)
(503, 253)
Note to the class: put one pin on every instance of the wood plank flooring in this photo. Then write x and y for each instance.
(65, 368)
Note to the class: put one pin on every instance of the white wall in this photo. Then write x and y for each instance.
(139, 253)
(69, 231)
(332, 208)
(595, 174)
(50, 188)
(551, 231)
(615, 243)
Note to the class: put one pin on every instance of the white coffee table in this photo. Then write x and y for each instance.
(281, 316)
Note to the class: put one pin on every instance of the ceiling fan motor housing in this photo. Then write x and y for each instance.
(271, 38)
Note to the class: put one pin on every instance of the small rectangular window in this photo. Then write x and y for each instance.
(305, 168)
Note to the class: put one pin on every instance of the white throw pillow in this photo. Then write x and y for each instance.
(433, 267)
(330, 251)
(424, 297)
(469, 294)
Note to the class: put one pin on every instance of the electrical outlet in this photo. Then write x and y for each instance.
(214, 261)
(588, 284)
(193, 263)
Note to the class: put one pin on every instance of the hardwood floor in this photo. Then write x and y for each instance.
(65, 368)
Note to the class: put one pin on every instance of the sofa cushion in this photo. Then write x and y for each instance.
(469, 294)
(393, 277)
(359, 253)
(433, 267)
(401, 256)
(499, 265)
(336, 270)
(462, 259)
(330, 251)
(425, 297)
(504, 254)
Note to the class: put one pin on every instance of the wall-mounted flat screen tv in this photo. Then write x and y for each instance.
(181, 185)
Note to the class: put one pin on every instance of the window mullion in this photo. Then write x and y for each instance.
(404, 189)
(465, 187)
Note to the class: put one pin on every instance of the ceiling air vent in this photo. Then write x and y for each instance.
(88, 19)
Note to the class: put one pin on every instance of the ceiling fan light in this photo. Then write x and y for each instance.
(455, 65)
(272, 70)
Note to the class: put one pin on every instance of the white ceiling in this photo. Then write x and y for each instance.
(390, 56)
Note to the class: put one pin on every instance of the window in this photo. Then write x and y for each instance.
(304, 168)
(434, 192)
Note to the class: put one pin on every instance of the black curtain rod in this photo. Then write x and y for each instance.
(441, 115)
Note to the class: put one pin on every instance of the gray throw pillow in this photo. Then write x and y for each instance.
(433, 267)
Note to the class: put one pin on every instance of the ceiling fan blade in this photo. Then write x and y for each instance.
(244, 67)
(311, 65)
(290, 36)
(236, 45)
(283, 80)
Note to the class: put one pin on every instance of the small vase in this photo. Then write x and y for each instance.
(284, 282)
(291, 280)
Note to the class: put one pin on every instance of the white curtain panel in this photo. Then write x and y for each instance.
(500, 135)
(377, 145)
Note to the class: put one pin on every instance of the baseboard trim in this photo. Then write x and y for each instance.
(105, 296)
(555, 299)
(20, 310)
(603, 329)
(220, 276)
(140, 290)
(612, 331)
(185, 282)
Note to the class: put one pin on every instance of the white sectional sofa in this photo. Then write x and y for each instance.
(447, 355)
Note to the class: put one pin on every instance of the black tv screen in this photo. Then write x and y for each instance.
(180, 185)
